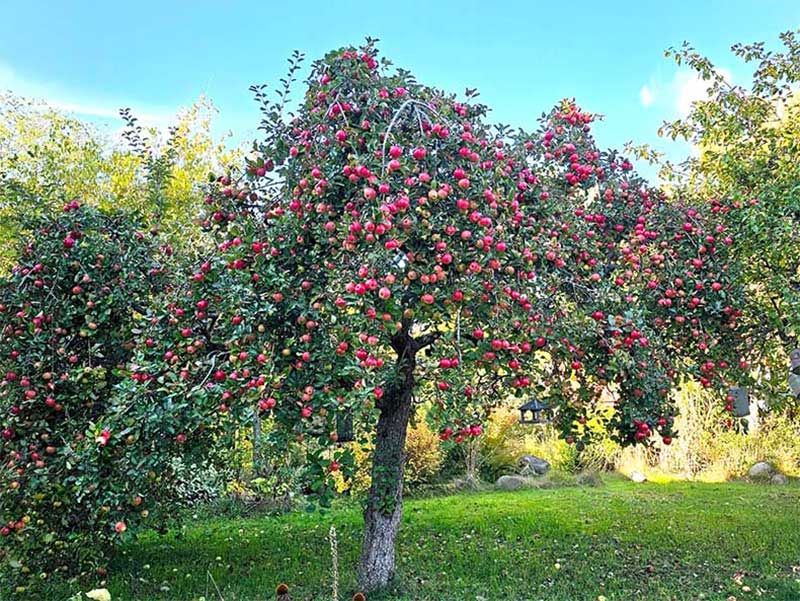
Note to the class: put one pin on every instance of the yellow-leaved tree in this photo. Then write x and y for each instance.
(48, 157)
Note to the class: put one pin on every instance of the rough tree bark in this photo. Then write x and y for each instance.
(384, 509)
(257, 442)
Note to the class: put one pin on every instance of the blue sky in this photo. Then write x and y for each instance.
(94, 57)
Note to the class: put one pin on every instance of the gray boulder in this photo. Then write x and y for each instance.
(778, 479)
(510, 482)
(794, 384)
(530, 465)
(761, 471)
(638, 477)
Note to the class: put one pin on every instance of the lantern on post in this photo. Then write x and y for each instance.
(534, 412)
(740, 400)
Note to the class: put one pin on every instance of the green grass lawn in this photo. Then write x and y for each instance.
(674, 541)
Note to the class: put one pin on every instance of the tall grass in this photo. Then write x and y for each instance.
(705, 449)
(708, 450)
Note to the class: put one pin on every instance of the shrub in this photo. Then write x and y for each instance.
(424, 457)
(68, 314)
(502, 444)
(543, 441)
(196, 483)
(423, 454)
(506, 440)
(275, 479)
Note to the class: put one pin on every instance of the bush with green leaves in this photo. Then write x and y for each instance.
(196, 483)
(69, 311)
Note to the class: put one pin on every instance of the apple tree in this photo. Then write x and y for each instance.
(68, 311)
(384, 244)
(747, 137)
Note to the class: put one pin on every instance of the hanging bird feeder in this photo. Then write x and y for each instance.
(534, 412)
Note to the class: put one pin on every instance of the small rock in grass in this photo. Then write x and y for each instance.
(638, 477)
(761, 471)
(533, 466)
(778, 479)
(510, 482)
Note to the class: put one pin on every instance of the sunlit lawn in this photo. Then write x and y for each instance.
(622, 540)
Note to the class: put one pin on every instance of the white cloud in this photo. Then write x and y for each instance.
(690, 88)
(646, 96)
(70, 101)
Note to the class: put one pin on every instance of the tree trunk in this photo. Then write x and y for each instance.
(471, 459)
(257, 443)
(384, 509)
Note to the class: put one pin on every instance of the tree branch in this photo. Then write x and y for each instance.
(425, 340)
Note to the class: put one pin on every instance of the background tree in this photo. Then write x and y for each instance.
(384, 240)
(48, 158)
(748, 140)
